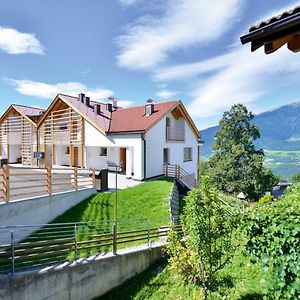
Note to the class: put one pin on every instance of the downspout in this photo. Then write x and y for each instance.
(145, 165)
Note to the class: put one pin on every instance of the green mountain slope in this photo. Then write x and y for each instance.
(280, 138)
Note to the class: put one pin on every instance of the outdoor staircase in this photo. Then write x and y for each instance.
(183, 177)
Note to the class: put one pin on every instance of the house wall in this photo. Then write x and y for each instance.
(94, 160)
(156, 142)
(15, 151)
(61, 157)
(94, 138)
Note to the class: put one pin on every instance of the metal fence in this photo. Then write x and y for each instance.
(56, 243)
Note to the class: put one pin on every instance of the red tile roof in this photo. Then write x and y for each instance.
(274, 19)
(133, 118)
(29, 111)
(121, 120)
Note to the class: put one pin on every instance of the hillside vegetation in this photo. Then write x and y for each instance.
(275, 276)
(280, 132)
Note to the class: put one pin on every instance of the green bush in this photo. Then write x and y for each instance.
(265, 199)
(207, 225)
(273, 237)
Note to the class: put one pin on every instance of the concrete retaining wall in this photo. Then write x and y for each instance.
(83, 280)
(39, 210)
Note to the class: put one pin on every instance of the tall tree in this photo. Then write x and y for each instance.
(236, 165)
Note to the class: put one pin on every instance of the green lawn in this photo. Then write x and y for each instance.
(135, 206)
(147, 200)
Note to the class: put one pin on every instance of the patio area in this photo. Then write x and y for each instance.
(122, 181)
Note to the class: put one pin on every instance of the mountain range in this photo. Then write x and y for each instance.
(279, 137)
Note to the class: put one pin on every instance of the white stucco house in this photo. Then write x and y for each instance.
(75, 131)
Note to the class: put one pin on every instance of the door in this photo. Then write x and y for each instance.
(123, 160)
(75, 156)
(166, 155)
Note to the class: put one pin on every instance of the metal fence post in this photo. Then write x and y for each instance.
(75, 242)
(149, 243)
(114, 232)
(12, 247)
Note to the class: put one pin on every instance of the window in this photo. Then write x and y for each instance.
(68, 150)
(187, 154)
(63, 127)
(103, 151)
(168, 122)
(166, 155)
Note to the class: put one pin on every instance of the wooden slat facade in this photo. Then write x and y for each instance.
(16, 130)
(63, 126)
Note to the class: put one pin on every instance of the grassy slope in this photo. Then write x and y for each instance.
(240, 280)
(147, 200)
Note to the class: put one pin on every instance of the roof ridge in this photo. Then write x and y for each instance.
(155, 103)
(28, 106)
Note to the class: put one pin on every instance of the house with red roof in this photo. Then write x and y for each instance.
(79, 132)
(18, 133)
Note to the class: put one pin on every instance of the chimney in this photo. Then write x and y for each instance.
(109, 107)
(114, 101)
(87, 101)
(97, 109)
(149, 109)
(81, 97)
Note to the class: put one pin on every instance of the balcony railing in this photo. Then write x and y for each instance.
(175, 135)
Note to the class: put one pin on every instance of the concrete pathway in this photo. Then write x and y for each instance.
(123, 182)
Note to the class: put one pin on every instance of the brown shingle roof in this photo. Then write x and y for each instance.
(29, 111)
(133, 118)
(274, 19)
(121, 120)
(101, 121)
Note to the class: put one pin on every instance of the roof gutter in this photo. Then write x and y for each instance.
(276, 29)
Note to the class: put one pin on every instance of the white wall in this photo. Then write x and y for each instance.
(61, 158)
(93, 138)
(94, 160)
(156, 142)
(15, 151)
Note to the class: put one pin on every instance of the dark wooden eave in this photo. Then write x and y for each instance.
(275, 35)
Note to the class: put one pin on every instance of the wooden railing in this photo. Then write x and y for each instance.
(175, 135)
(26, 182)
(179, 173)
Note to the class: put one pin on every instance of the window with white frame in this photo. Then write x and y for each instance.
(103, 151)
(187, 154)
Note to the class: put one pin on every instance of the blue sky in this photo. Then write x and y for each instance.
(141, 49)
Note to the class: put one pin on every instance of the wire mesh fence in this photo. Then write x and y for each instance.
(55, 243)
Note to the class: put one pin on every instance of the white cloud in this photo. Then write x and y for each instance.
(128, 2)
(165, 94)
(245, 78)
(185, 23)
(49, 91)
(16, 42)
(125, 103)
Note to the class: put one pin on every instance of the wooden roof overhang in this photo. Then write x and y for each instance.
(178, 110)
(276, 34)
(13, 108)
(60, 102)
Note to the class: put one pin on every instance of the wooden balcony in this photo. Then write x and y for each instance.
(175, 135)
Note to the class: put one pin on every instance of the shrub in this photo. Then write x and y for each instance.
(273, 236)
(207, 226)
(265, 199)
